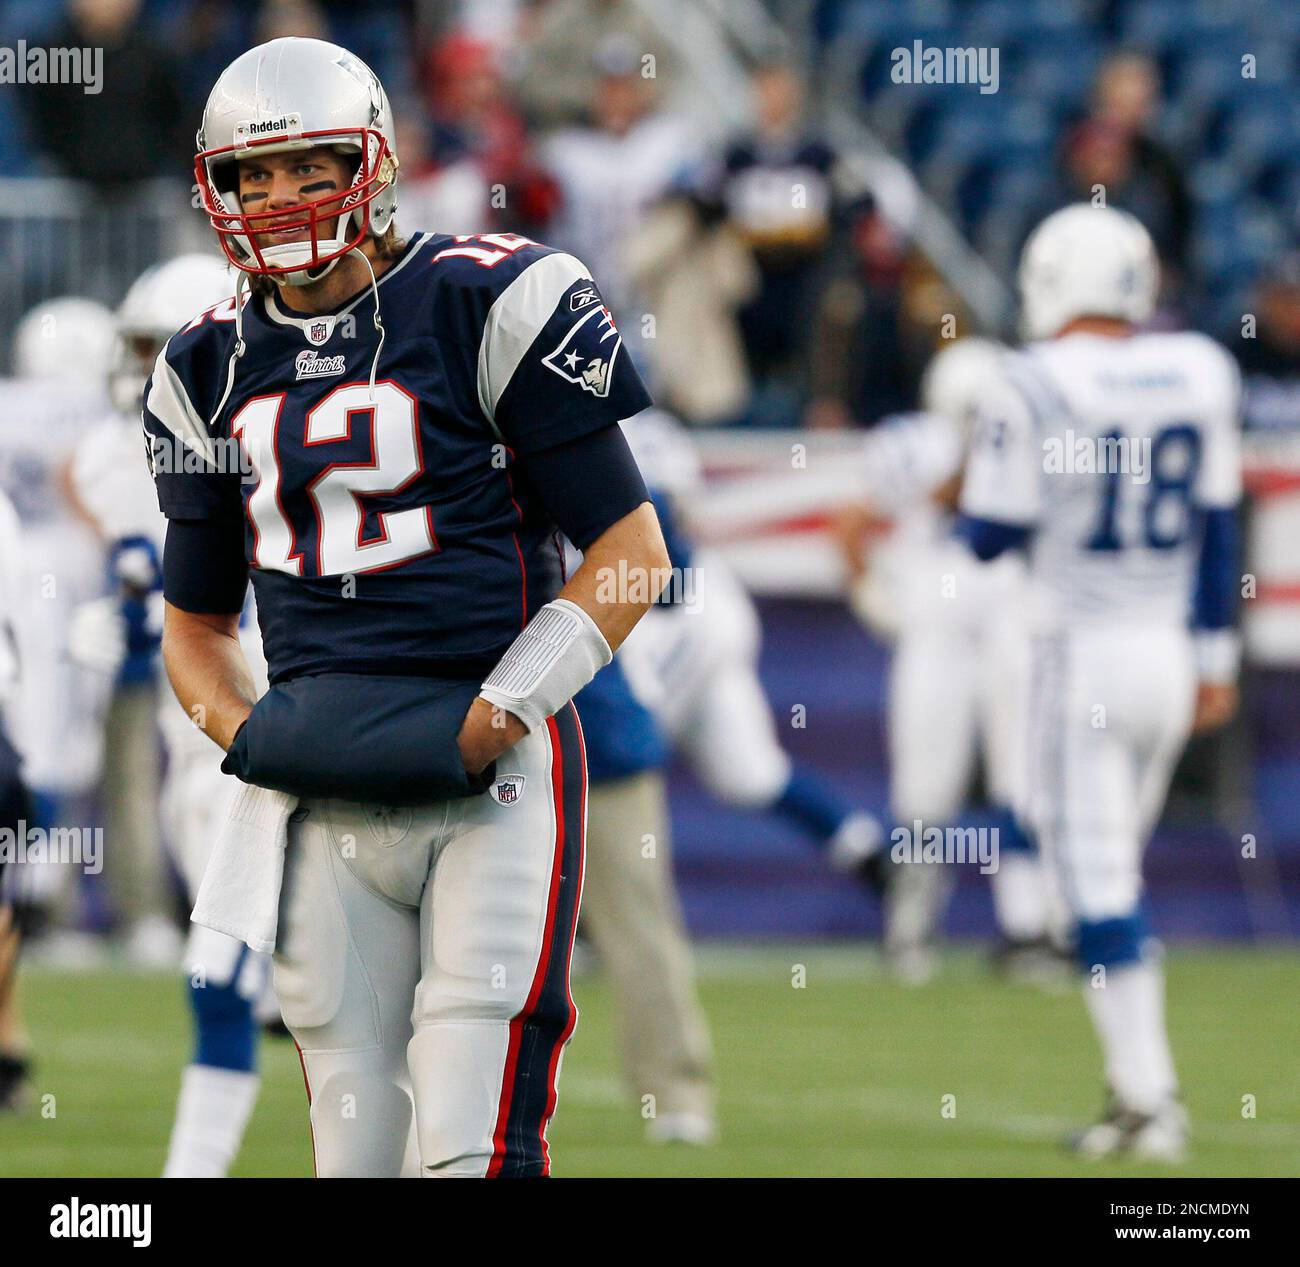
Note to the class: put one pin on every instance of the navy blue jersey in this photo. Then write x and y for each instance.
(399, 533)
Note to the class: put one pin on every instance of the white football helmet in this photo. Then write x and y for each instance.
(161, 300)
(955, 379)
(68, 339)
(1086, 261)
(297, 94)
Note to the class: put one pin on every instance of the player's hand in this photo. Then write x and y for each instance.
(856, 530)
(97, 636)
(1216, 704)
(486, 733)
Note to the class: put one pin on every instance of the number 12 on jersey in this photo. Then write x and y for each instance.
(337, 489)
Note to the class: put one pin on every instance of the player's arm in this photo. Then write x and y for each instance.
(632, 548)
(208, 671)
(1000, 495)
(204, 571)
(1218, 645)
(594, 492)
(205, 578)
(905, 459)
(1215, 598)
(554, 381)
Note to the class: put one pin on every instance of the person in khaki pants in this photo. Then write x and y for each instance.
(631, 913)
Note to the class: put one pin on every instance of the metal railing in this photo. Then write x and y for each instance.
(61, 237)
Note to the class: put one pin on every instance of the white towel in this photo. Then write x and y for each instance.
(240, 891)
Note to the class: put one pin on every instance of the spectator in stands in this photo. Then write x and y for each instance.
(561, 43)
(778, 193)
(442, 197)
(136, 126)
(610, 172)
(694, 272)
(280, 18)
(1114, 149)
(876, 326)
(476, 135)
(1127, 97)
(1270, 361)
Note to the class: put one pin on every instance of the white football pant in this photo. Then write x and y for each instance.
(1111, 708)
(423, 967)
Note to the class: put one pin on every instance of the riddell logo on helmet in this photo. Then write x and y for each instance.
(249, 130)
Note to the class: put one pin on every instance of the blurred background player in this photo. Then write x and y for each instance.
(1113, 457)
(61, 354)
(111, 482)
(957, 674)
(695, 658)
(631, 911)
(16, 815)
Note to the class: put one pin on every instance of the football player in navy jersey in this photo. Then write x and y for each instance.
(385, 435)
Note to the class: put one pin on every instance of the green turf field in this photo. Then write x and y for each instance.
(846, 1076)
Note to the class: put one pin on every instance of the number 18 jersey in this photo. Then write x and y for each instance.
(395, 530)
(1109, 450)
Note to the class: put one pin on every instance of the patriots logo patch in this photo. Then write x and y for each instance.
(586, 354)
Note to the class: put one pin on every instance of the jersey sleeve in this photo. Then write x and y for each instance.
(552, 365)
(906, 458)
(1004, 469)
(185, 459)
(1218, 483)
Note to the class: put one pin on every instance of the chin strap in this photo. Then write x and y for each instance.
(241, 284)
(379, 325)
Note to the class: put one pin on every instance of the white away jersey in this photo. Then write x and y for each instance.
(1107, 449)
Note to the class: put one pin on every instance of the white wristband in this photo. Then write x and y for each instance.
(1218, 654)
(560, 650)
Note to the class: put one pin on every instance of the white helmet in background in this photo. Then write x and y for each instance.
(297, 94)
(1086, 261)
(161, 300)
(957, 377)
(67, 339)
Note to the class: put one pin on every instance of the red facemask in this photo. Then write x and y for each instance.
(374, 174)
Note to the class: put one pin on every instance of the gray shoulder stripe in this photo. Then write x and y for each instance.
(1044, 402)
(516, 319)
(170, 404)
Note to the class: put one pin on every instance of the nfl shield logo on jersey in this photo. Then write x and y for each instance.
(319, 331)
(507, 789)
